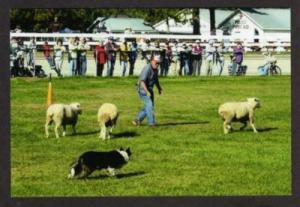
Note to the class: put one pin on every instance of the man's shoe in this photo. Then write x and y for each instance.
(152, 126)
(136, 122)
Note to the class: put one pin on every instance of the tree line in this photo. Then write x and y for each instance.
(39, 20)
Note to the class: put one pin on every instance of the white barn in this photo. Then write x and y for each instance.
(258, 26)
(187, 28)
(263, 25)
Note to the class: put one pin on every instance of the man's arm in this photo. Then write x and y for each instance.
(143, 84)
(160, 90)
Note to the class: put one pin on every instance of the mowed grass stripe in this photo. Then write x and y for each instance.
(187, 154)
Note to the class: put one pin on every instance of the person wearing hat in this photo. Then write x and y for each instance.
(147, 79)
(185, 54)
(111, 50)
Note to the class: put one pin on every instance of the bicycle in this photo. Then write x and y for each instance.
(274, 68)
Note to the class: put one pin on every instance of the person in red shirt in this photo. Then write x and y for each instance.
(100, 57)
(47, 53)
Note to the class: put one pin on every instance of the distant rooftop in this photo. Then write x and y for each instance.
(269, 19)
(266, 18)
(120, 24)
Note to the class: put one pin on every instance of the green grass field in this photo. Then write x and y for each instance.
(186, 154)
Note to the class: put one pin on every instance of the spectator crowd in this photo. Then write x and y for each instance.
(177, 58)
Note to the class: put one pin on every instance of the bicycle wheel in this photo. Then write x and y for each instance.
(277, 70)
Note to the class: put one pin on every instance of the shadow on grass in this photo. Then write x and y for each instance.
(182, 123)
(118, 176)
(267, 129)
(127, 134)
(85, 133)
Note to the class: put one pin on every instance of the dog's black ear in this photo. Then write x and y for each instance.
(121, 149)
(128, 151)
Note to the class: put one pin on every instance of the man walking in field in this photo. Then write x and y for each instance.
(148, 78)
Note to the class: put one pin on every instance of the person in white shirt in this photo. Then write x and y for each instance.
(83, 47)
(30, 56)
(73, 48)
(210, 53)
(176, 58)
(59, 50)
(220, 50)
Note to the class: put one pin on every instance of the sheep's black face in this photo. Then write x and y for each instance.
(76, 107)
(254, 102)
(79, 110)
(257, 105)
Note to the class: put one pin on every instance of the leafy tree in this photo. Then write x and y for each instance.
(39, 20)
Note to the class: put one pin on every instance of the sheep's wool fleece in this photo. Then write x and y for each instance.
(58, 109)
(108, 108)
(240, 109)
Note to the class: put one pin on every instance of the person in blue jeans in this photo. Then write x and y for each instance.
(148, 78)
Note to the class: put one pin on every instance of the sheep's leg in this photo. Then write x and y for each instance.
(47, 129)
(103, 132)
(100, 130)
(107, 133)
(226, 130)
(227, 126)
(48, 122)
(64, 130)
(74, 129)
(57, 126)
(251, 121)
(244, 126)
(114, 122)
(111, 129)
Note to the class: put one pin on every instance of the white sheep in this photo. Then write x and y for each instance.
(107, 117)
(62, 115)
(239, 112)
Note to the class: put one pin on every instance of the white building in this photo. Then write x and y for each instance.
(262, 26)
(187, 28)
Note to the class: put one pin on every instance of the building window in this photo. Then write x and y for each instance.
(256, 32)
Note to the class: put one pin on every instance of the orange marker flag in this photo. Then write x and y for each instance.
(50, 93)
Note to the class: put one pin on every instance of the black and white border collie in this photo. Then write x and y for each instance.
(90, 161)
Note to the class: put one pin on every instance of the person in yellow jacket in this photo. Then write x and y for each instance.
(124, 56)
